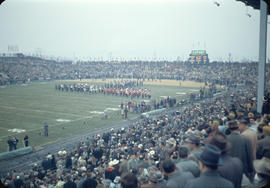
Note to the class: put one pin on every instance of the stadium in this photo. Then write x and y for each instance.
(135, 123)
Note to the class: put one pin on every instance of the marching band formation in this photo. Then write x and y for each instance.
(116, 88)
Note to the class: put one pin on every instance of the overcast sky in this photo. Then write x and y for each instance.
(144, 29)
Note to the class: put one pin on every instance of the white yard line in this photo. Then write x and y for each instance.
(40, 111)
(4, 128)
(52, 125)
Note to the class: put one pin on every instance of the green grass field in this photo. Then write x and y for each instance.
(28, 107)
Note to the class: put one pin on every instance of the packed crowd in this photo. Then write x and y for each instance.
(216, 142)
(24, 69)
(220, 142)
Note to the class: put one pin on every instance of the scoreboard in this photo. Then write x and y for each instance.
(198, 57)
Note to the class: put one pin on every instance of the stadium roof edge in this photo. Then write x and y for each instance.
(255, 3)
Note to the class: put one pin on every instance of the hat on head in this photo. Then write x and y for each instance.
(171, 141)
(210, 156)
(113, 162)
(155, 175)
(49, 156)
(241, 110)
(266, 129)
(231, 115)
(232, 125)
(251, 115)
(193, 139)
(262, 166)
(243, 122)
(219, 140)
(83, 168)
(216, 122)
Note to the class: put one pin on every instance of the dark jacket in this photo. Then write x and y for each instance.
(232, 170)
(68, 162)
(263, 147)
(241, 148)
(178, 180)
(70, 184)
(209, 179)
(187, 165)
(89, 183)
(18, 183)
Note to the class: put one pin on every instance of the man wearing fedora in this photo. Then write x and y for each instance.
(186, 164)
(264, 144)
(241, 148)
(250, 134)
(129, 180)
(209, 160)
(262, 168)
(176, 177)
(232, 168)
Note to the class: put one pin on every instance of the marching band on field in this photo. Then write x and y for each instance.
(126, 89)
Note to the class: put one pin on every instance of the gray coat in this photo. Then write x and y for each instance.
(178, 180)
(232, 170)
(209, 179)
(263, 147)
(188, 165)
(241, 148)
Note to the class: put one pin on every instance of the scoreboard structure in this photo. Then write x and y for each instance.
(199, 57)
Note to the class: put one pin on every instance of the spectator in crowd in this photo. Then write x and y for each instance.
(129, 180)
(264, 144)
(176, 178)
(232, 168)
(262, 168)
(18, 183)
(194, 144)
(185, 164)
(209, 160)
(156, 178)
(89, 182)
(266, 104)
(69, 183)
(250, 134)
(241, 148)
(68, 161)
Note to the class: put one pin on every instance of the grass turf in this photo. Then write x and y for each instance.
(29, 106)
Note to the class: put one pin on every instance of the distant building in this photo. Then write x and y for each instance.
(199, 57)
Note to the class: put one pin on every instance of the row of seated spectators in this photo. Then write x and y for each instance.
(222, 142)
(24, 69)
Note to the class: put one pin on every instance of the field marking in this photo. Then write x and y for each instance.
(181, 93)
(16, 130)
(41, 111)
(52, 125)
(6, 129)
(63, 120)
